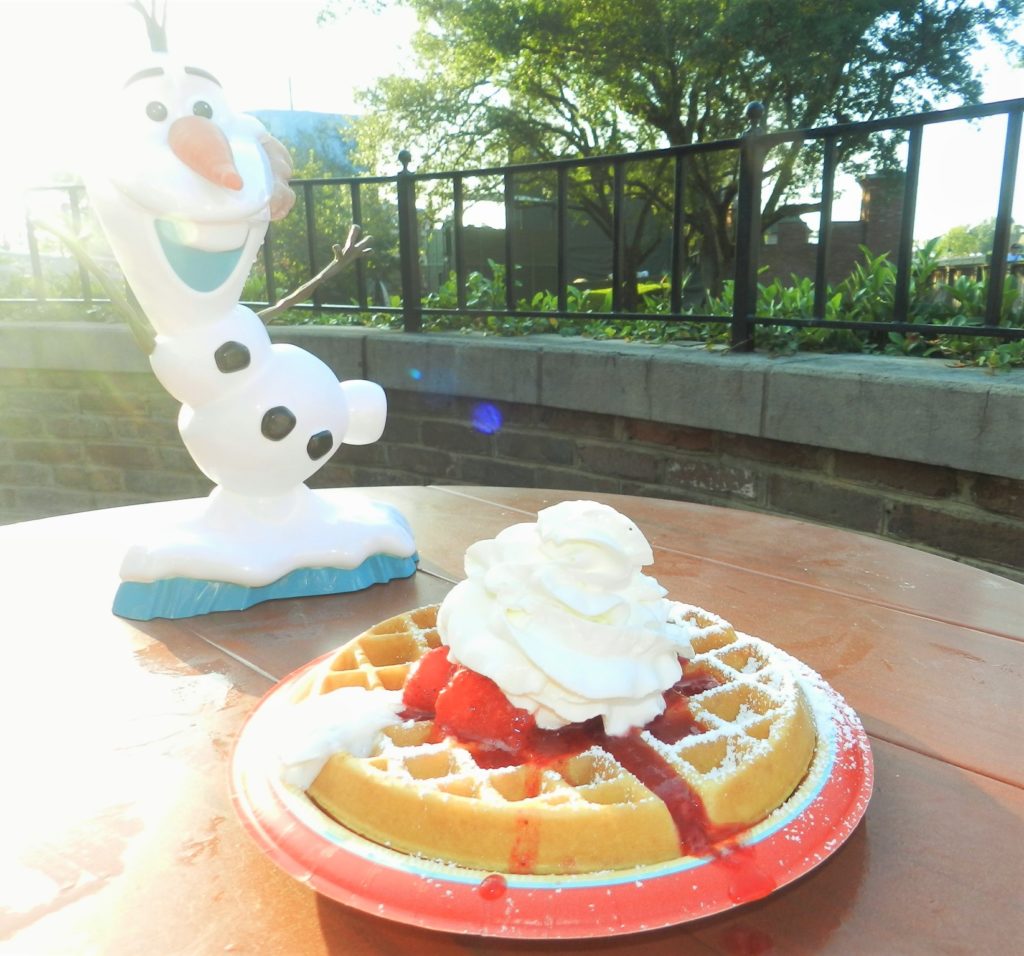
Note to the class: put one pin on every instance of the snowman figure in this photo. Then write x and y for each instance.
(184, 188)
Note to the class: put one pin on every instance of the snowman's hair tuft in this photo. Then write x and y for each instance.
(156, 28)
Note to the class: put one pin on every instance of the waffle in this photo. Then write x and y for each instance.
(583, 812)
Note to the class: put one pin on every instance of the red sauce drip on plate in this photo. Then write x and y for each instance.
(747, 881)
(492, 887)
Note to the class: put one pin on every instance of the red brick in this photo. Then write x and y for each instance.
(783, 453)
(531, 446)
(43, 502)
(122, 383)
(828, 503)
(429, 462)
(1001, 495)
(929, 481)
(107, 403)
(676, 436)
(175, 457)
(334, 474)
(44, 401)
(121, 456)
(577, 423)
(49, 452)
(13, 378)
(21, 426)
(26, 473)
(959, 533)
(619, 461)
(90, 477)
(55, 378)
(83, 427)
(455, 437)
(516, 413)
(423, 404)
(402, 429)
(159, 406)
(368, 455)
(146, 430)
(494, 471)
(713, 478)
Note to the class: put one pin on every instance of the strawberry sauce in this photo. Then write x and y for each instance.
(472, 709)
(492, 887)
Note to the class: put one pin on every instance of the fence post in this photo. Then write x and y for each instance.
(1004, 219)
(748, 231)
(408, 246)
(268, 265)
(36, 260)
(308, 203)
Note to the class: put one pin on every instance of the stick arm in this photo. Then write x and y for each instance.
(356, 247)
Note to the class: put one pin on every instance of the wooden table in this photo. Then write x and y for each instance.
(118, 831)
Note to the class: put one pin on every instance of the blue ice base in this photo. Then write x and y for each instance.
(188, 597)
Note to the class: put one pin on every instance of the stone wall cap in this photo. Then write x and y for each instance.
(888, 406)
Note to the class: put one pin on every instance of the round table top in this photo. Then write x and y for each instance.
(118, 828)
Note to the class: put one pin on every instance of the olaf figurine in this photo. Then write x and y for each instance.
(184, 190)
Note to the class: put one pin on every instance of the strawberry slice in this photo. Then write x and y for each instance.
(424, 683)
(472, 708)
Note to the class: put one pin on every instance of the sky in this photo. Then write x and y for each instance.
(58, 56)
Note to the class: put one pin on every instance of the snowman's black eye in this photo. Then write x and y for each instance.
(156, 111)
(202, 108)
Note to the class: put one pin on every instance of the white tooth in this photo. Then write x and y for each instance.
(211, 237)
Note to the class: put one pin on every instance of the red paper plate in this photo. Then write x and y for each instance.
(344, 866)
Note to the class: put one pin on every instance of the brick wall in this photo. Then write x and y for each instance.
(878, 229)
(77, 440)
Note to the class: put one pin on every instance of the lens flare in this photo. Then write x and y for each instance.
(486, 418)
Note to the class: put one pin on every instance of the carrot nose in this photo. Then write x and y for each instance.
(202, 146)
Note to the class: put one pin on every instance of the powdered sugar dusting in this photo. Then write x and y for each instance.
(802, 832)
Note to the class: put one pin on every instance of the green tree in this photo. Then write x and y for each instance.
(332, 217)
(521, 80)
(973, 240)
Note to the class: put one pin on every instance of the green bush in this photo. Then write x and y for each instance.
(867, 294)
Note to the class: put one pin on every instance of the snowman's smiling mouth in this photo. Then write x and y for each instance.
(200, 269)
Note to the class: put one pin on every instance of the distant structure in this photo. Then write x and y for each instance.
(328, 135)
(787, 248)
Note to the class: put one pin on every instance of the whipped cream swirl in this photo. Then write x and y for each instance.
(559, 614)
(347, 720)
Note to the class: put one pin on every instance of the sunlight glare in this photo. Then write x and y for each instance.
(58, 56)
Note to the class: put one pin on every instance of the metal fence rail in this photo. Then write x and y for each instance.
(748, 151)
(755, 146)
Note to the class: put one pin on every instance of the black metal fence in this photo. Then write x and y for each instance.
(747, 151)
(755, 145)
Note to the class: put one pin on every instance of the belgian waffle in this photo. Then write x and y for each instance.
(584, 812)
